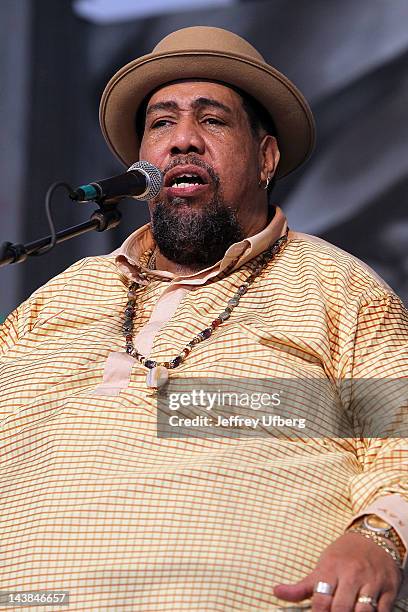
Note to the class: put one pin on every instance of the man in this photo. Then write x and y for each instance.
(95, 502)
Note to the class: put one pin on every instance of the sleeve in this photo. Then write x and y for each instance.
(18, 323)
(22, 320)
(378, 396)
(9, 332)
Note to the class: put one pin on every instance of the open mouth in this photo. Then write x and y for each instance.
(187, 180)
(186, 177)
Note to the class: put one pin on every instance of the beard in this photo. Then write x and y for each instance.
(198, 237)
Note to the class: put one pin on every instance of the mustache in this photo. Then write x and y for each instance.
(192, 158)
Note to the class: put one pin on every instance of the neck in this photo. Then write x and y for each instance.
(166, 265)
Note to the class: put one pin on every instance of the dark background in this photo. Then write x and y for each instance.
(349, 58)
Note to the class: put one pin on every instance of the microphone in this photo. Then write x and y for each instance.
(142, 181)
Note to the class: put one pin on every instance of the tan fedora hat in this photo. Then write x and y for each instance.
(215, 54)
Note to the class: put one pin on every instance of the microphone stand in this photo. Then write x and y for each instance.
(107, 217)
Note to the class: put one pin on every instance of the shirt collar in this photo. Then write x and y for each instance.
(128, 255)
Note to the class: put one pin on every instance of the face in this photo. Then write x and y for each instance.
(198, 134)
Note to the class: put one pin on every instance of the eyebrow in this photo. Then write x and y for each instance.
(196, 104)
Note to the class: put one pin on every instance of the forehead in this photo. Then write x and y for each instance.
(185, 92)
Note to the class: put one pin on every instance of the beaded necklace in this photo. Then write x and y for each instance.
(158, 371)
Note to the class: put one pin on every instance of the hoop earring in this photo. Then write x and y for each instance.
(267, 183)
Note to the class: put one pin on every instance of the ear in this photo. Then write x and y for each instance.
(269, 157)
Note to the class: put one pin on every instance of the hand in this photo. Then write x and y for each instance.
(355, 566)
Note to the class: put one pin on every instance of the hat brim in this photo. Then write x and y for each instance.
(131, 84)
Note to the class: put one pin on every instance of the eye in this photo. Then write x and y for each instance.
(160, 123)
(213, 121)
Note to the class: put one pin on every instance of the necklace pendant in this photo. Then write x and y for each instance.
(157, 377)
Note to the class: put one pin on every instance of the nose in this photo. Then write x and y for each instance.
(186, 137)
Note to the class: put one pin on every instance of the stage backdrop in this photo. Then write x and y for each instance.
(349, 58)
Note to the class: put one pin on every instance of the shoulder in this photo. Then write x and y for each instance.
(87, 281)
(336, 271)
(82, 284)
(84, 275)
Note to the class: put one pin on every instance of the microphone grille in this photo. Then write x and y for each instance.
(154, 179)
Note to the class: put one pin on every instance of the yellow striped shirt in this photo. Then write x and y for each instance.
(92, 501)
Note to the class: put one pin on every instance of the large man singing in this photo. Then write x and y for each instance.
(93, 501)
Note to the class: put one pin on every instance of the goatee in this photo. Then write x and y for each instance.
(197, 238)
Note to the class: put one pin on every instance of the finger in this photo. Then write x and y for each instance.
(367, 591)
(295, 592)
(386, 602)
(323, 601)
(345, 596)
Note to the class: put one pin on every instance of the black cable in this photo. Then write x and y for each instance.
(48, 201)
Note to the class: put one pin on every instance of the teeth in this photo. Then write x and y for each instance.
(180, 181)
